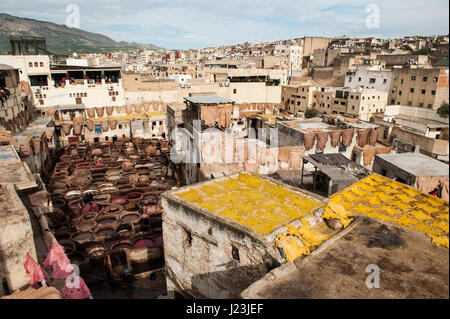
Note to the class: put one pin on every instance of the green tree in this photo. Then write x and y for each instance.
(443, 110)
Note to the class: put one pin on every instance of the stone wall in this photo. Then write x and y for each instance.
(199, 258)
(16, 239)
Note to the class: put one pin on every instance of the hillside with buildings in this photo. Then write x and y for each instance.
(60, 39)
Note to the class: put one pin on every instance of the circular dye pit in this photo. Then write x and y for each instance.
(82, 236)
(143, 243)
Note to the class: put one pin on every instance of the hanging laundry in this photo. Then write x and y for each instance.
(36, 272)
(309, 140)
(373, 137)
(335, 138)
(363, 137)
(322, 139)
(347, 137)
(58, 261)
(79, 290)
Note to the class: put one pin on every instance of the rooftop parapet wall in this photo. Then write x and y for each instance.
(227, 229)
(16, 238)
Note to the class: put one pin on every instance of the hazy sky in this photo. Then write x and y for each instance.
(183, 24)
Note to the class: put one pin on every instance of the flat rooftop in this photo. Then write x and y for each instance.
(14, 171)
(251, 201)
(337, 167)
(387, 200)
(422, 120)
(41, 121)
(410, 267)
(310, 127)
(208, 99)
(6, 67)
(416, 164)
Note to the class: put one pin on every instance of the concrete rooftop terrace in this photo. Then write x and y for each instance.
(310, 127)
(14, 171)
(416, 164)
(208, 99)
(251, 201)
(410, 267)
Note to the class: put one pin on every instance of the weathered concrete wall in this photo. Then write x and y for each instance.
(16, 239)
(239, 92)
(291, 137)
(198, 253)
(392, 171)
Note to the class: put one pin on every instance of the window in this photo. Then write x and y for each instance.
(413, 78)
(372, 80)
(41, 64)
(433, 92)
(435, 79)
(420, 104)
(425, 78)
(120, 126)
(401, 81)
(235, 253)
(411, 90)
(359, 79)
(38, 80)
(234, 91)
(430, 106)
(400, 92)
(409, 103)
(393, 101)
(30, 64)
(188, 238)
(353, 107)
(423, 91)
(384, 81)
(36, 64)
